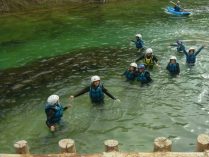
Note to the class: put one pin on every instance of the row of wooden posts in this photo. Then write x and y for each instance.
(161, 144)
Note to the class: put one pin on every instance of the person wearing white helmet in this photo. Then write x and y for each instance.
(131, 72)
(143, 75)
(54, 111)
(139, 43)
(191, 54)
(149, 59)
(96, 91)
(173, 66)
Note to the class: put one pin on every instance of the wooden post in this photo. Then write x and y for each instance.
(21, 147)
(162, 144)
(111, 145)
(202, 142)
(67, 146)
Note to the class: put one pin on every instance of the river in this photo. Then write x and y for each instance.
(57, 51)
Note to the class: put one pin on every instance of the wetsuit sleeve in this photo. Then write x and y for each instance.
(50, 113)
(184, 50)
(124, 73)
(148, 76)
(107, 93)
(175, 44)
(178, 68)
(155, 59)
(83, 91)
(65, 108)
(198, 51)
(167, 67)
(141, 57)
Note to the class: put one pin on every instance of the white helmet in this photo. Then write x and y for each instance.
(53, 99)
(191, 48)
(149, 50)
(139, 36)
(133, 65)
(173, 57)
(95, 78)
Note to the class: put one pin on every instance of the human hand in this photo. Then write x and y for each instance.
(52, 128)
(117, 100)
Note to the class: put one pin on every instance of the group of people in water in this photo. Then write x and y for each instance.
(54, 109)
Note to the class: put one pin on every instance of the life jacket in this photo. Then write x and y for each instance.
(172, 68)
(130, 75)
(142, 76)
(139, 44)
(58, 112)
(96, 94)
(191, 59)
(148, 61)
(177, 8)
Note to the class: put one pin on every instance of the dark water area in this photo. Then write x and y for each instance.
(19, 82)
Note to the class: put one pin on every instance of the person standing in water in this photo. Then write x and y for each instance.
(139, 43)
(96, 91)
(173, 66)
(191, 54)
(131, 72)
(149, 59)
(54, 112)
(143, 75)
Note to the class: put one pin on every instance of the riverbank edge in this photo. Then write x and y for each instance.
(22, 6)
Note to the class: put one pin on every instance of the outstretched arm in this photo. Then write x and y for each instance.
(83, 91)
(184, 49)
(108, 94)
(198, 51)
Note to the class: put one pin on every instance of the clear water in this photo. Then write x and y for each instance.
(58, 51)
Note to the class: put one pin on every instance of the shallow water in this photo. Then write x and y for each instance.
(58, 51)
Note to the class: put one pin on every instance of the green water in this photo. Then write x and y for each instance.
(95, 39)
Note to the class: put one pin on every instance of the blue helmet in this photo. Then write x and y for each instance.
(179, 42)
(141, 66)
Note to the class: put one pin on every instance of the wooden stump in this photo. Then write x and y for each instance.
(111, 145)
(21, 147)
(162, 144)
(67, 146)
(202, 142)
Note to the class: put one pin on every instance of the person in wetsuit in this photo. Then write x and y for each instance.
(96, 91)
(54, 111)
(191, 54)
(149, 59)
(131, 72)
(143, 75)
(173, 66)
(139, 43)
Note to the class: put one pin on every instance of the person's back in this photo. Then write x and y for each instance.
(54, 111)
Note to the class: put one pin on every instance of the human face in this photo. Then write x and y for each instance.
(141, 69)
(191, 51)
(96, 83)
(173, 61)
(131, 68)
